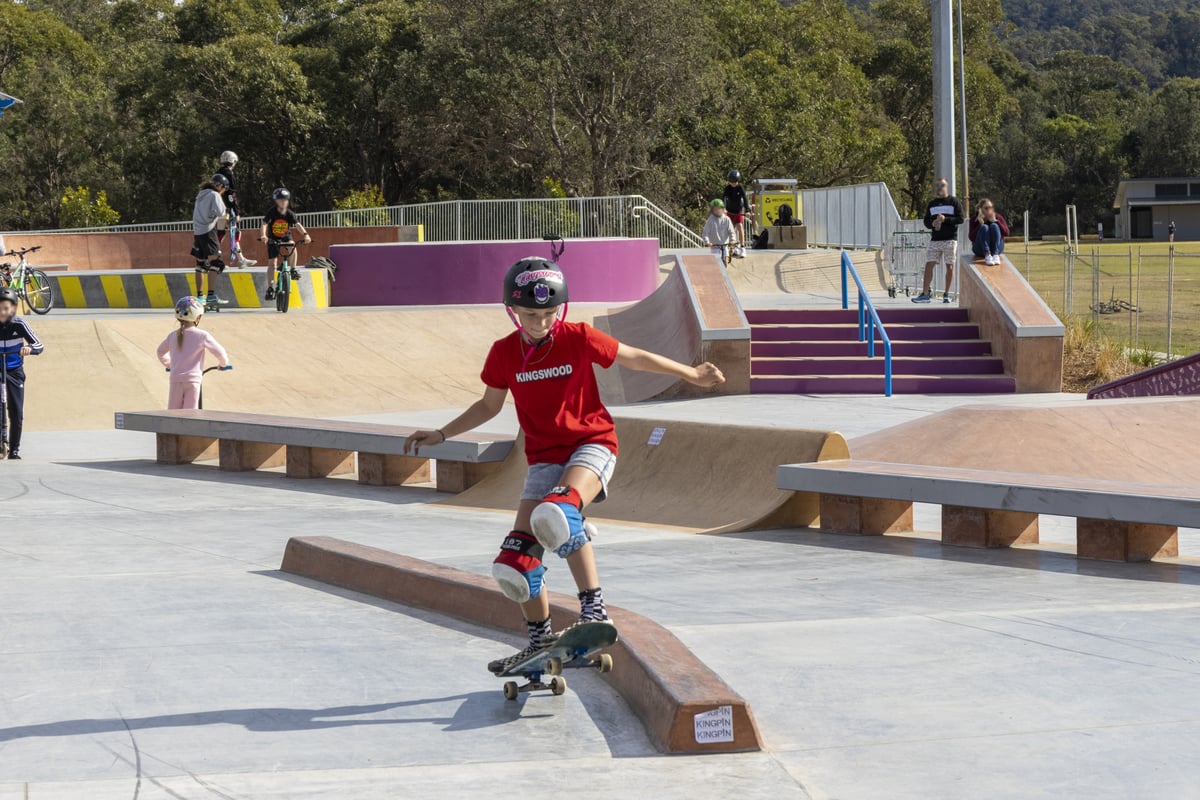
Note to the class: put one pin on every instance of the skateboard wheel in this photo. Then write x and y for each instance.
(558, 685)
(511, 691)
(604, 663)
(554, 666)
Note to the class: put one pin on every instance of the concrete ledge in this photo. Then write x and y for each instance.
(664, 683)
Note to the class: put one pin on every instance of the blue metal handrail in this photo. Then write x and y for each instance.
(868, 321)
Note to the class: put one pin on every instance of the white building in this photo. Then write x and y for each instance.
(1145, 208)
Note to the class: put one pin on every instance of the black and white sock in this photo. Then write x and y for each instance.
(591, 605)
(540, 633)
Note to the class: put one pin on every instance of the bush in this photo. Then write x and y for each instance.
(79, 210)
(365, 206)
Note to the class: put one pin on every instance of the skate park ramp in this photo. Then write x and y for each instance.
(1181, 376)
(691, 476)
(693, 316)
(1150, 441)
(810, 272)
(319, 365)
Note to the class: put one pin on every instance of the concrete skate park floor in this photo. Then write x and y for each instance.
(151, 649)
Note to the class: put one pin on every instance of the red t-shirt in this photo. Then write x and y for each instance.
(557, 399)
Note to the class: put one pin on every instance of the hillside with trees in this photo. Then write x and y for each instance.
(422, 100)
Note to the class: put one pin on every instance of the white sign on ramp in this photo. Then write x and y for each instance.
(714, 726)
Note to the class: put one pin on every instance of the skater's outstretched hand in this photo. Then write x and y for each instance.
(415, 441)
(707, 374)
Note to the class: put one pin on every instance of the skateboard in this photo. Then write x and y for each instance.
(214, 305)
(578, 648)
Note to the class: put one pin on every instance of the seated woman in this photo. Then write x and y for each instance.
(988, 229)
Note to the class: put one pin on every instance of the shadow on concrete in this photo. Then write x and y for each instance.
(1180, 570)
(345, 487)
(622, 730)
(478, 710)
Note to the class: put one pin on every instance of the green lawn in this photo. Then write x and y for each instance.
(1107, 270)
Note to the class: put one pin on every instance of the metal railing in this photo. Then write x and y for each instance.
(623, 216)
(868, 321)
(860, 217)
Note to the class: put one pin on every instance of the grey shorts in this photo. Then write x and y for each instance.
(544, 477)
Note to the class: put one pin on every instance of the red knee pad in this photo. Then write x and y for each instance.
(520, 551)
(564, 494)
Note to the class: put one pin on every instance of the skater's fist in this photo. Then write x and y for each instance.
(26, 350)
(708, 374)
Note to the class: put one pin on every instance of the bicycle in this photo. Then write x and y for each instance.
(726, 254)
(1113, 305)
(30, 284)
(285, 273)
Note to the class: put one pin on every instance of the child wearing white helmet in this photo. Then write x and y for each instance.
(182, 353)
(570, 439)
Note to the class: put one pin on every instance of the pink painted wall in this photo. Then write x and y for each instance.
(451, 273)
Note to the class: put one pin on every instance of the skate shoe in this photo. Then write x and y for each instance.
(501, 665)
(518, 569)
(558, 524)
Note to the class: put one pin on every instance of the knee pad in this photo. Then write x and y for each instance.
(200, 265)
(518, 569)
(558, 521)
(216, 265)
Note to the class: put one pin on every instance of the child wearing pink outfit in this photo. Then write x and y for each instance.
(182, 353)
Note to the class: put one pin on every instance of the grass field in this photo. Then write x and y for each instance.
(1139, 273)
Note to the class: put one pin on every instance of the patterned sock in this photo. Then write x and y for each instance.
(591, 605)
(539, 632)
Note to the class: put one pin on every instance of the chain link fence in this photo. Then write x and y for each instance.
(1145, 297)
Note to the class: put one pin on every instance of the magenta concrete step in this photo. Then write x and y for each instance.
(861, 384)
(819, 316)
(802, 367)
(835, 332)
(828, 349)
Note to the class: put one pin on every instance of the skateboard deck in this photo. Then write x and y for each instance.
(577, 648)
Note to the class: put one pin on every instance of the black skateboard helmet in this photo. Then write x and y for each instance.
(535, 283)
(734, 176)
(220, 180)
(7, 294)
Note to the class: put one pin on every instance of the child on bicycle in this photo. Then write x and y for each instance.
(182, 353)
(229, 160)
(206, 248)
(17, 340)
(570, 438)
(277, 229)
(718, 231)
(737, 204)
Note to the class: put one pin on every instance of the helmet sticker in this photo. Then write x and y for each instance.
(541, 294)
(529, 276)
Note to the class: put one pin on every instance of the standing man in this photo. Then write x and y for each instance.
(1170, 232)
(943, 215)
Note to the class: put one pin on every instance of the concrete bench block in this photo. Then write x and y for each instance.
(985, 527)
(458, 476)
(239, 456)
(172, 449)
(865, 515)
(318, 462)
(1110, 540)
(375, 469)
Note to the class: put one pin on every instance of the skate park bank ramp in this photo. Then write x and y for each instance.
(1181, 376)
(691, 476)
(335, 363)
(692, 317)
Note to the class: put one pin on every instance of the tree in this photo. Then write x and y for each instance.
(1169, 131)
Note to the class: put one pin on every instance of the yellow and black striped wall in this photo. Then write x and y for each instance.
(243, 288)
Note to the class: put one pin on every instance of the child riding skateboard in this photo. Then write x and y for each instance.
(570, 438)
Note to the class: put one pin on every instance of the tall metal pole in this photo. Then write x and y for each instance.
(962, 113)
(942, 18)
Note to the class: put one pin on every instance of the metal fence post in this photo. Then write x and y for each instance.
(1170, 296)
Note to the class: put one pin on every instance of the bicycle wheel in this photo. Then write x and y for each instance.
(283, 292)
(38, 291)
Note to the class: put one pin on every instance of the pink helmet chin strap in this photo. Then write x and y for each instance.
(558, 321)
